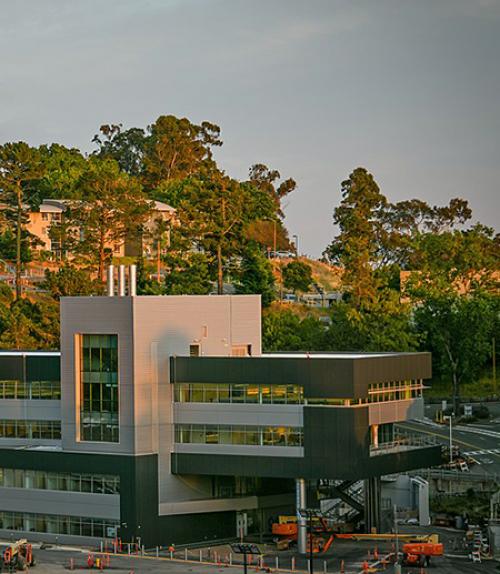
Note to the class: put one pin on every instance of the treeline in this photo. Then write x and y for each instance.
(110, 196)
(415, 277)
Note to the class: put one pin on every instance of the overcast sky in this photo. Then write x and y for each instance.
(409, 89)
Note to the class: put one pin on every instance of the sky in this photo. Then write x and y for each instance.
(409, 89)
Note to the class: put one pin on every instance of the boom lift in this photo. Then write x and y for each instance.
(19, 555)
(419, 554)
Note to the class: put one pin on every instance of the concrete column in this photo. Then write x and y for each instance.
(300, 503)
(374, 431)
(372, 504)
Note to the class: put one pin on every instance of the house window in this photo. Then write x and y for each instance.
(45, 216)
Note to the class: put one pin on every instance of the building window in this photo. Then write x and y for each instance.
(194, 350)
(238, 393)
(74, 482)
(99, 388)
(32, 390)
(45, 216)
(57, 524)
(48, 430)
(238, 434)
(241, 350)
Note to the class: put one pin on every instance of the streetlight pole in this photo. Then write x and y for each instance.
(397, 565)
(451, 441)
(296, 242)
(310, 542)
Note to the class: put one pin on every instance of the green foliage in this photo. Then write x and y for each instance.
(458, 330)
(215, 211)
(387, 327)
(70, 281)
(188, 275)
(356, 246)
(256, 276)
(62, 168)
(28, 325)
(283, 330)
(8, 246)
(114, 208)
(297, 276)
(20, 167)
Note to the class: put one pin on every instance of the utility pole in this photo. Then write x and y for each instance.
(397, 565)
(274, 237)
(494, 361)
(158, 260)
(296, 243)
(450, 417)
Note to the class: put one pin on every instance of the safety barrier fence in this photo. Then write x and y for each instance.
(223, 558)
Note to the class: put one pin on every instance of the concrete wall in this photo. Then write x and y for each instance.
(43, 410)
(238, 414)
(150, 330)
(96, 315)
(167, 326)
(394, 411)
(63, 503)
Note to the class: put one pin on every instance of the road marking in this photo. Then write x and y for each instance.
(445, 437)
(482, 452)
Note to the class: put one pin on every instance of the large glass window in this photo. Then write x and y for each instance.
(56, 524)
(41, 480)
(99, 388)
(33, 390)
(50, 430)
(238, 393)
(238, 434)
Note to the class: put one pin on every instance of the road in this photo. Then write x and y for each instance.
(481, 441)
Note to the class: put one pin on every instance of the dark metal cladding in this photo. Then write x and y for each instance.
(337, 377)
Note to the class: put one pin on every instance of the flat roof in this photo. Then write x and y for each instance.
(330, 355)
(29, 353)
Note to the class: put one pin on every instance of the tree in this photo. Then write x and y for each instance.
(297, 276)
(125, 147)
(114, 207)
(69, 281)
(261, 177)
(283, 330)
(176, 148)
(188, 275)
(256, 275)
(19, 334)
(215, 212)
(356, 246)
(20, 167)
(386, 326)
(62, 168)
(270, 233)
(458, 329)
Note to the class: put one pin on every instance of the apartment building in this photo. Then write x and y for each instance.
(51, 212)
(161, 421)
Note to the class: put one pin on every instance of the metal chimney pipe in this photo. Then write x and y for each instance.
(121, 280)
(111, 280)
(132, 281)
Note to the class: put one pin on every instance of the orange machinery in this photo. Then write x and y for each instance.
(19, 555)
(420, 553)
(287, 530)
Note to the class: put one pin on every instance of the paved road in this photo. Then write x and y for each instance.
(480, 441)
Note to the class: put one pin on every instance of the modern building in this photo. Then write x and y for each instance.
(161, 420)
